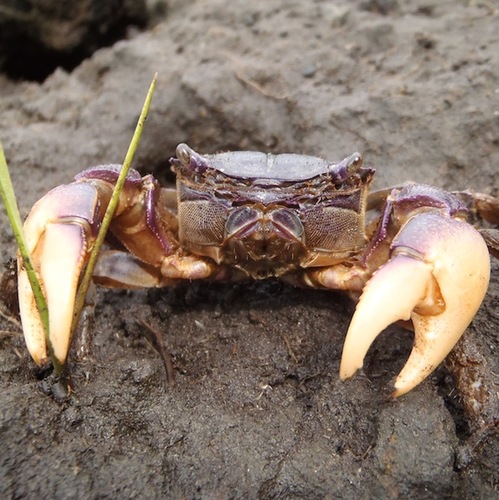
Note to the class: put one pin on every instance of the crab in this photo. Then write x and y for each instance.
(406, 253)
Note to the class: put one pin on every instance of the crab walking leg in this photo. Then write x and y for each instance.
(119, 269)
(437, 276)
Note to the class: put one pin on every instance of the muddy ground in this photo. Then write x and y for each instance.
(258, 410)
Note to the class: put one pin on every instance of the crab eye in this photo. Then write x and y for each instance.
(184, 153)
(190, 159)
(354, 163)
(341, 171)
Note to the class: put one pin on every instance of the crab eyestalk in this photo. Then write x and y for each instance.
(437, 277)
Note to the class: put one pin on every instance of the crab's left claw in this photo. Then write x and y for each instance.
(437, 276)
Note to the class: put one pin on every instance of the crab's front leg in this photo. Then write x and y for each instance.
(429, 266)
(61, 230)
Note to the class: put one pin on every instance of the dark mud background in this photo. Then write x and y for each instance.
(258, 410)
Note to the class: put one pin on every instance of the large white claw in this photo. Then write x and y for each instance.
(57, 233)
(437, 277)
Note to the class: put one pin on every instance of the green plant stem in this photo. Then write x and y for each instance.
(87, 277)
(9, 199)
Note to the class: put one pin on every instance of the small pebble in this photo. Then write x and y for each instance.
(309, 71)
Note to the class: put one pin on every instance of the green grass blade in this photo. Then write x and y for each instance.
(10, 202)
(87, 277)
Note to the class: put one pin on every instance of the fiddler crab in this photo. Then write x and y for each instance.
(405, 253)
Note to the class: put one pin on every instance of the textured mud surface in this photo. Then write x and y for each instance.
(258, 409)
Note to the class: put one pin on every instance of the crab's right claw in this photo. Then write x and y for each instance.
(437, 276)
(60, 231)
